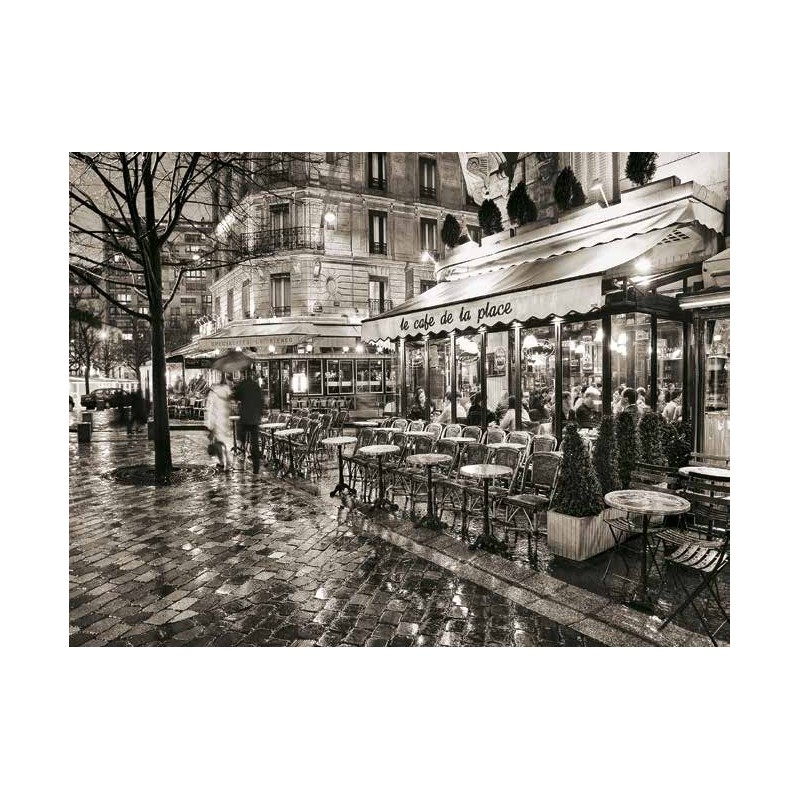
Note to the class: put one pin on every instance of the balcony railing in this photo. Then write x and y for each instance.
(377, 183)
(427, 191)
(265, 242)
(380, 248)
(378, 306)
(281, 311)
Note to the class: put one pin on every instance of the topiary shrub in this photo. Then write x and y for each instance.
(651, 450)
(640, 167)
(567, 190)
(578, 493)
(520, 207)
(451, 231)
(627, 445)
(676, 441)
(606, 456)
(489, 217)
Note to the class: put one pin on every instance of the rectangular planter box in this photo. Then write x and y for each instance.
(579, 538)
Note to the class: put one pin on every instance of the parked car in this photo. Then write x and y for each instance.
(106, 398)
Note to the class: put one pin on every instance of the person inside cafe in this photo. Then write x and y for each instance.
(567, 412)
(475, 411)
(628, 402)
(588, 414)
(508, 422)
(446, 416)
(421, 407)
(672, 410)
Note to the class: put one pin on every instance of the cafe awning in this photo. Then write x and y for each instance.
(261, 335)
(534, 289)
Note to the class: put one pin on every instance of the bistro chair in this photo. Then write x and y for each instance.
(454, 490)
(416, 425)
(707, 460)
(356, 465)
(520, 437)
(543, 443)
(451, 429)
(495, 435)
(696, 562)
(383, 435)
(408, 480)
(472, 432)
(305, 452)
(435, 429)
(539, 479)
(399, 423)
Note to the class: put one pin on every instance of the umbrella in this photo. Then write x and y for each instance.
(233, 361)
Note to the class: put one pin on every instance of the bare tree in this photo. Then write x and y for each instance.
(84, 332)
(123, 209)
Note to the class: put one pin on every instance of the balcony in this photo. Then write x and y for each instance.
(267, 242)
(378, 248)
(427, 191)
(281, 311)
(377, 183)
(378, 306)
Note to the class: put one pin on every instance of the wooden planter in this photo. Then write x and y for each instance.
(579, 538)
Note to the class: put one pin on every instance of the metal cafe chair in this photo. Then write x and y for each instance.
(472, 432)
(454, 497)
(702, 558)
(520, 437)
(355, 464)
(399, 423)
(416, 425)
(540, 475)
(407, 478)
(435, 429)
(495, 435)
(708, 460)
(543, 443)
(451, 429)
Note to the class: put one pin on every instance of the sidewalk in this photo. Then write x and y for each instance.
(247, 559)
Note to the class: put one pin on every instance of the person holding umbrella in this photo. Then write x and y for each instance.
(218, 422)
(251, 404)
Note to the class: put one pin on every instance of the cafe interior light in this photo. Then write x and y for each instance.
(598, 337)
(622, 338)
(300, 382)
(580, 349)
(643, 265)
(271, 348)
(529, 341)
(330, 217)
(359, 348)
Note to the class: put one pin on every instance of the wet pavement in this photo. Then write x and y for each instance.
(242, 559)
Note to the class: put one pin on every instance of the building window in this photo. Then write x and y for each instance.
(185, 301)
(425, 285)
(330, 158)
(217, 306)
(475, 233)
(207, 300)
(229, 305)
(427, 177)
(378, 295)
(279, 165)
(377, 233)
(281, 289)
(192, 242)
(377, 170)
(427, 237)
(246, 299)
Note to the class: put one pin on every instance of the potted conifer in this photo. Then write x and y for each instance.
(489, 218)
(650, 445)
(521, 209)
(451, 231)
(576, 521)
(628, 445)
(605, 456)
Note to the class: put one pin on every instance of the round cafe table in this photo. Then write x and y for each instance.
(429, 460)
(486, 473)
(340, 442)
(712, 473)
(379, 451)
(646, 503)
(511, 445)
(287, 434)
(272, 427)
(366, 423)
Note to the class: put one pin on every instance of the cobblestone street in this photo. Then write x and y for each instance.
(243, 559)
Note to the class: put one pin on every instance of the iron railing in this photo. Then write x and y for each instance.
(264, 242)
(380, 248)
(379, 306)
(427, 191)
(281, 311)
(377, 183)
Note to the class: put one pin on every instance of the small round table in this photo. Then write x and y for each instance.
(429, 460)
(712, 473)
(486, 473)
(272, 427)
(340, 442)
(287, 434)
(512, 445)
(366, 423)
(379, 451)
(646, 503)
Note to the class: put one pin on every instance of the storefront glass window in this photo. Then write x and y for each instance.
(497, 366)
(538, 357)
(439, 366)
(582, 368)
(415, 371)
(716, 399)
(630, 357)
(315, 376)
(468, 361)
(670, 351)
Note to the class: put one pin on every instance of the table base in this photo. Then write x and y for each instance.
(490, 544)
(430, 521)
(343, 487)
(381, 504)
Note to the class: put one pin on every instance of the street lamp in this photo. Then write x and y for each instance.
(597, 186)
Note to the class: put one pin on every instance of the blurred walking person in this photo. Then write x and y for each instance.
(251, 404)
(218, 422)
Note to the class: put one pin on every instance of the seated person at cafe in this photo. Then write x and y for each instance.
(672, 410)
(475, 411)
(628, 402)
(508, 423)
(567, 413)
(446, 416)
(589, 413)
(421, 407)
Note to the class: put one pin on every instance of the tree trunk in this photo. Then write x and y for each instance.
(86, 376)
(161, 442)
